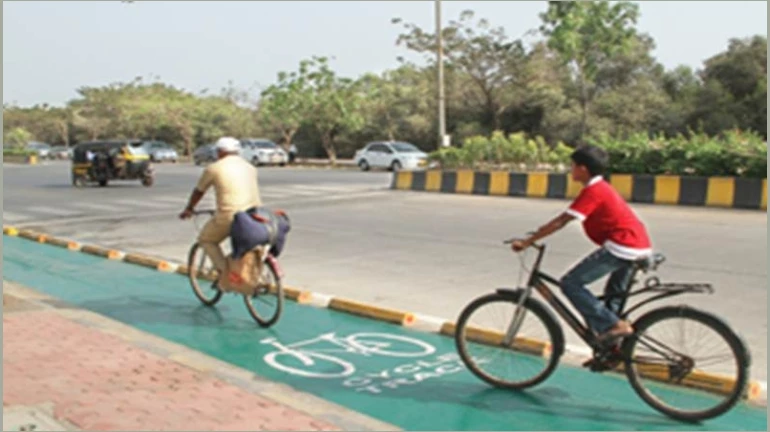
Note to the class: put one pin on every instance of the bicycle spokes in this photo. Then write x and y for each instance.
(506, 344)
(676, 352)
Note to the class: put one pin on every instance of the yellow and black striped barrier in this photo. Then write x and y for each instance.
(653, 189)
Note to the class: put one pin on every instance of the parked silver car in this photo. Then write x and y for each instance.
(60, 152)
(43, 150)
(205, 154)
(261, 151)
(159, 151)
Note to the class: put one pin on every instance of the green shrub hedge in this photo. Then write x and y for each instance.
(17, 152)
(733, 153)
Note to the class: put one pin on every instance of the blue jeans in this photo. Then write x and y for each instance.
(599, 317)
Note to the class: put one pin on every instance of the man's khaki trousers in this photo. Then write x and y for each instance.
(216, 229)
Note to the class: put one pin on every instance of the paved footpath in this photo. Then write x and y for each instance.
(70, 369)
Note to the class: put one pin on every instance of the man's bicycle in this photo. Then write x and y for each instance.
(264, 305)
(684, 362)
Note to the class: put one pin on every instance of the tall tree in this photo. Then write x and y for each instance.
(485, 53)
(736, 87)
(333, 103)
(586, 33)
(284, 105)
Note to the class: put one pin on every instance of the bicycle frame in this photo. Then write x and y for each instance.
(539, 281)
(264, 257)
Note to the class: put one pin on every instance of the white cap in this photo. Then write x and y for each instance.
(228, 144)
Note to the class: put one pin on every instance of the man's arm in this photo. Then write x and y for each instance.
(200, 189)
(551, 227)
(195, 198)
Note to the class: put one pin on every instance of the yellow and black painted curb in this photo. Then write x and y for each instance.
(755, 392)
(733, 192)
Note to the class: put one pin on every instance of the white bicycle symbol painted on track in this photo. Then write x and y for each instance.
(297, 359)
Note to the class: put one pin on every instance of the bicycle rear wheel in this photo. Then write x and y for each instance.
(202, 275)
(528, 360)
(686, 363)
(266, 304)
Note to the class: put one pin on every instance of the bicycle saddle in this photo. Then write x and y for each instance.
(651, 262)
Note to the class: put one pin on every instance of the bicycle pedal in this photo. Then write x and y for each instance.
(604, 360)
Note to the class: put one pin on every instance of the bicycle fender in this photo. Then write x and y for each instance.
(509, 291)
(273, 262)
(681, 309)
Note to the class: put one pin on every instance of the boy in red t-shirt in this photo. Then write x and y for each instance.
(610, 223)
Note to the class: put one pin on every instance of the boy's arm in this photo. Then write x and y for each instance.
(554, 225)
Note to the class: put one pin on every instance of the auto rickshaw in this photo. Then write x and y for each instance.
(103, 161)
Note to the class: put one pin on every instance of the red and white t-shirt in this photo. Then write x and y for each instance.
(609, 221)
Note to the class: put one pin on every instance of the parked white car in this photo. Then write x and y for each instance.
(392, 155)
(261, 151)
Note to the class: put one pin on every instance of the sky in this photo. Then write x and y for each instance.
(52, 48)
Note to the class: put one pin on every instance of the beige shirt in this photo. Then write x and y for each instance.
(235, 184)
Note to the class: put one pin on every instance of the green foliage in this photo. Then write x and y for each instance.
(16, 138)
(517, 151)
(18, 152)
(733, 153)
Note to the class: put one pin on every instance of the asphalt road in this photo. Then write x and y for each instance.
(424, 252)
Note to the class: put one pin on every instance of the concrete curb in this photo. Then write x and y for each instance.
(756, 391)
(729, 192)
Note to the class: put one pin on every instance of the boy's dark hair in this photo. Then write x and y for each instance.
(595, 159)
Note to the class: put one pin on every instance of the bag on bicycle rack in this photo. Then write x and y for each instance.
(243, 273)
(259, 227)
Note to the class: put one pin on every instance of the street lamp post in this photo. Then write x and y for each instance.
(440, 64)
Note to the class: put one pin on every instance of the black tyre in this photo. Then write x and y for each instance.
(364, 165)
(395, 166)
(531, 358)
(202, 275)
(102, 183)
(687, 376)
(148, 181)
(266, 305)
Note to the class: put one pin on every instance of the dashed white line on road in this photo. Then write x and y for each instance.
(12, 217)
(53, 211)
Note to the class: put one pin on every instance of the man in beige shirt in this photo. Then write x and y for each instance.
(235, 184)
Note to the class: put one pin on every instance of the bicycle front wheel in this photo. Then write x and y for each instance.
(202, 275)
(528, 359)
(266, 304)
(686, 363)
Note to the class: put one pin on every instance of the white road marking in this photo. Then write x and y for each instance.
(14, 217)
(97, 206)
(127, 203)
(170, 199)
(298, 190)
(53, 211)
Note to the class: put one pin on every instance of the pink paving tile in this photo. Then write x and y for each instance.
(100, 382)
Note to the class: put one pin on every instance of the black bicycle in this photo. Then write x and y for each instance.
(264, 305)
(684, 362)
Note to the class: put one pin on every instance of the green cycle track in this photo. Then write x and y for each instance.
(413, 380)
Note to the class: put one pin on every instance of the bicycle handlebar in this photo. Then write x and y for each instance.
(535, 245)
